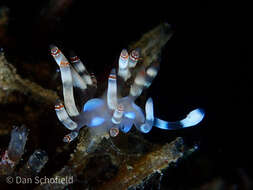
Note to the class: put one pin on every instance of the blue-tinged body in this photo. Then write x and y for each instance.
(97, 114)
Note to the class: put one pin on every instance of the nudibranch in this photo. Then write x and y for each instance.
(111, 113)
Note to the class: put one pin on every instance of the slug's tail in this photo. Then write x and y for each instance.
(192, 119)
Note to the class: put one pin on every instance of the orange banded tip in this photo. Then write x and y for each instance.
(74, 59)
(124, 54)
(114, 132)
(134, 55)
(57, 107)
(64, 63)
(55, 51)
(67, 139)
(112, 76)
(120, 107)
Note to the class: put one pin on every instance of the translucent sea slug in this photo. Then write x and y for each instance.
(111, 113)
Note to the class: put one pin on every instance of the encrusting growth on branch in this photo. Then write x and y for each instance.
(155, 161)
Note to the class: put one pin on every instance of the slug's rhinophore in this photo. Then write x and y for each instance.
(133, 58)
(111, 113)
(123, 65)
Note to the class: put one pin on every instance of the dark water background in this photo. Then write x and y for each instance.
(205, 64)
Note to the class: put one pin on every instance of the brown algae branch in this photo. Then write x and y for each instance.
(10, 81)
(152, 42)
(147, 165)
